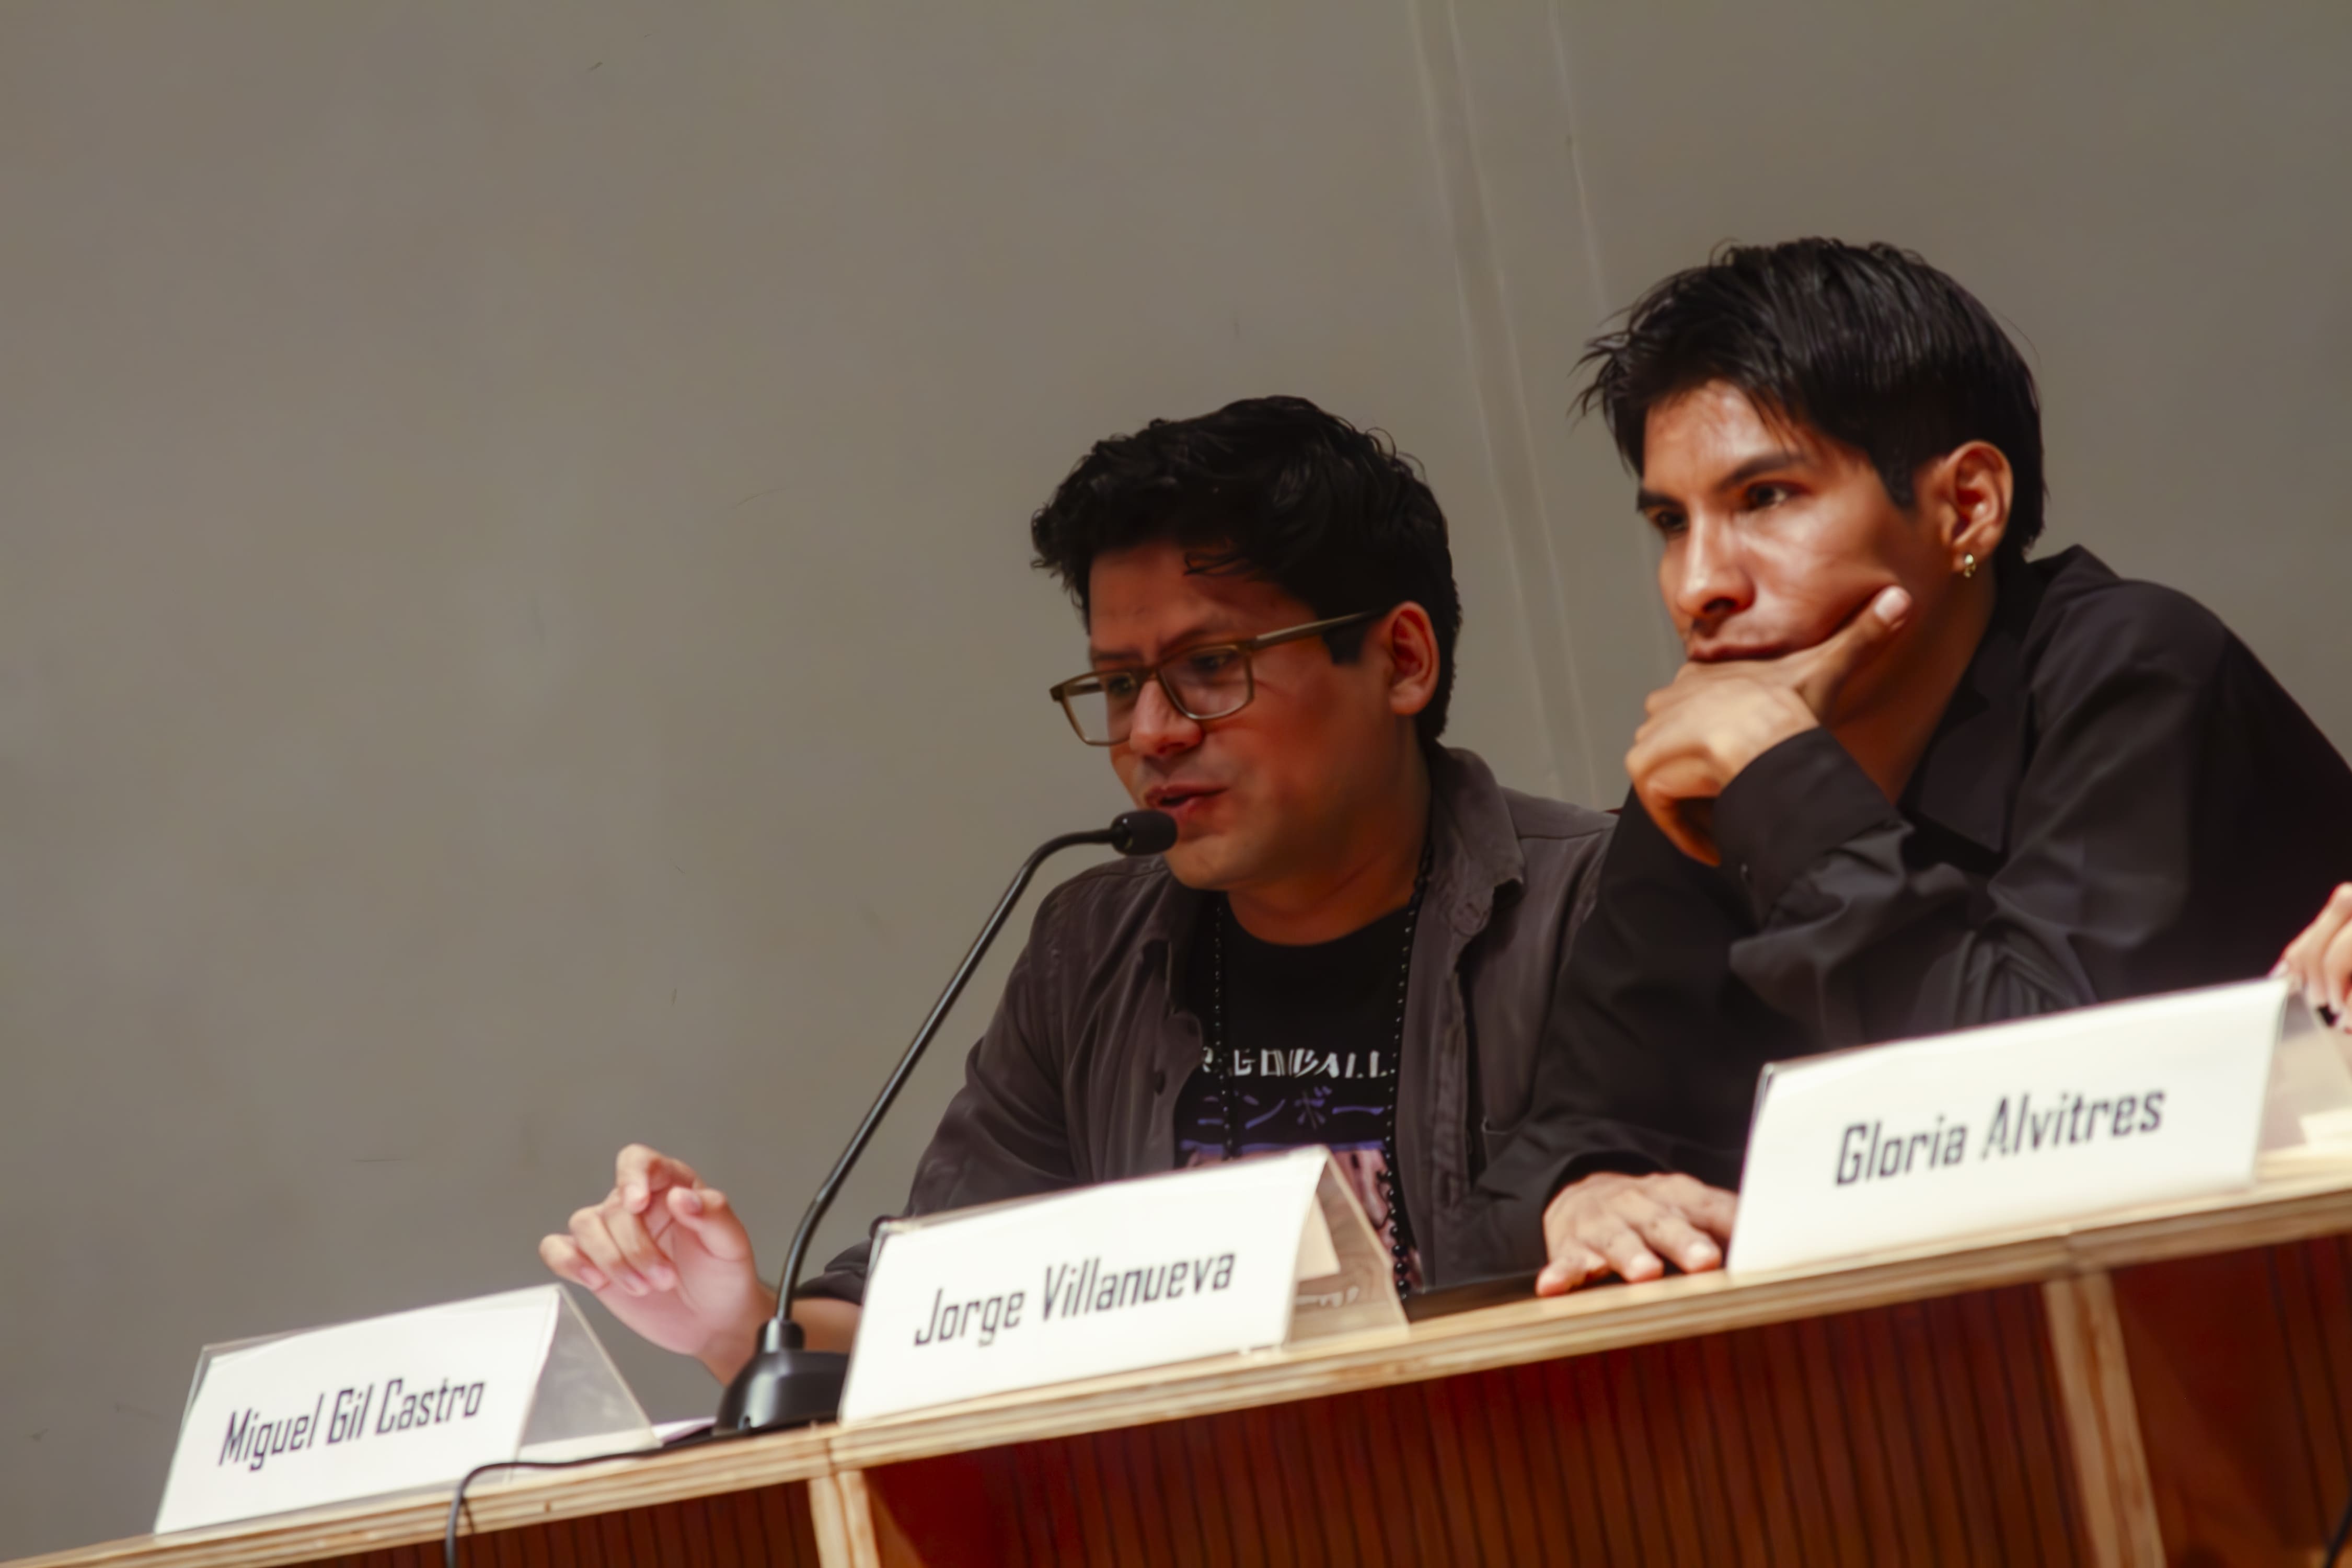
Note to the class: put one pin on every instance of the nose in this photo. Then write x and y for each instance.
(1707, 581)
(1155, 729)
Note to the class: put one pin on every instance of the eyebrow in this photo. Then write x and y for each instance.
(1209, 629)
(1645, 498)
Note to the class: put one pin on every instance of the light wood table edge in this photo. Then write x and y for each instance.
(2298, 1199)
(530, 1497)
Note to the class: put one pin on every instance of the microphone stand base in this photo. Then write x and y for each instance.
(783, 1384)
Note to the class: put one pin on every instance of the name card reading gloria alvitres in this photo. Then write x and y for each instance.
(1114, 1277)
(416, 1399)
(2102, 1107)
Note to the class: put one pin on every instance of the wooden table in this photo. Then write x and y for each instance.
(2168, 1384)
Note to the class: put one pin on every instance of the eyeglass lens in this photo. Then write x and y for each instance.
(1208, 683)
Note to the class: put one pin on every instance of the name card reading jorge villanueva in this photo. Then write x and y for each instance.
(412, 1400)
(2103, 1108)
(1073, 1289)
(1113, 1277)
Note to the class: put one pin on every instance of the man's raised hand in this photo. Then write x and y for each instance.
(2319, 961)
(1613, 1224)
(1717, 718)
(669, 1258)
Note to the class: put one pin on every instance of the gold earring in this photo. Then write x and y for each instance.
(1968, 566)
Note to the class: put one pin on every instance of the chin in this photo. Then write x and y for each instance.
(1196, 865)
(1212, 863)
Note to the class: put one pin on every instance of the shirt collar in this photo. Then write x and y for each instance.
(1478, 856)
(1967, 778)
(1474, 857)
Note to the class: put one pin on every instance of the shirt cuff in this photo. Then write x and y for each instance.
(833, 1285)
(1791, 807)
(844, 1278)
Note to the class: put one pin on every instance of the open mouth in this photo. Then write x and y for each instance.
(1179, 801)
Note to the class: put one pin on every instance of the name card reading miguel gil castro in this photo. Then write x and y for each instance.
(2100, 1108)
(1114, 1277)
(412, 1400)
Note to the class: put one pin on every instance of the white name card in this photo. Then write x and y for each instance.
(1114, 1277)
(2045, 1119)
(393, 1404)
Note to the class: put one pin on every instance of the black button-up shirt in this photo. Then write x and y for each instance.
(2119, 800)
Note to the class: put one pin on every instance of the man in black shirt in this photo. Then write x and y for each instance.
(1907, 780)
(1308, 1055)
(1356, 941)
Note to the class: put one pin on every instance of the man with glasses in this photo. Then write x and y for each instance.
(1355, 943)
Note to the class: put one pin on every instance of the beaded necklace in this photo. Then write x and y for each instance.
(1220, 1063)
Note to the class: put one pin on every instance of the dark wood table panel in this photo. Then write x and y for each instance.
(1929, 1432)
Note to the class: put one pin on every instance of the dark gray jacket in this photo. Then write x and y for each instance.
(1077, 1079)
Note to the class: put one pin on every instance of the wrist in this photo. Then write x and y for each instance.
(1762, 726)
(1798, 802)
(724, 1353)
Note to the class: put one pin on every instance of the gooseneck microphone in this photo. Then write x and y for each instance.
(785, 1383)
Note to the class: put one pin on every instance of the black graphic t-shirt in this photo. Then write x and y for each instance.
(1312, 1032)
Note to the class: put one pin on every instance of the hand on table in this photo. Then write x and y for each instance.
(1610, 1223)
(669, 1258)
(1715, 718)
(2319, 961)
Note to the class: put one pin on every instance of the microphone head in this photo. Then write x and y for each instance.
(1143, 833)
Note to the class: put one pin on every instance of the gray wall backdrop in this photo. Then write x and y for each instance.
(515, 633)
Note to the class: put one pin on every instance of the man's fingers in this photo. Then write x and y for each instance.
(1623, 1223)
(1851, 646)
(1692, 1249)
(1629, 1254)
(1662, 1228)
(1571, 1265)
(2311, 961)
(590, 1235)
(2336, 971)
(1711, 1209)
(1569, 1261)
(565, 1261)
(637, 1245)
(706, 1212)
(1609, 1235)
(639, 1172)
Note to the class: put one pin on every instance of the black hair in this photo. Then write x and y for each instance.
(1866, 343)
(1271, 488)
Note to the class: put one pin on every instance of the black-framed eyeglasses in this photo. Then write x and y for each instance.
(1211, 681)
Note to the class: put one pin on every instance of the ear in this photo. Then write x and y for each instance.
(1410, 643)
(1971, 488)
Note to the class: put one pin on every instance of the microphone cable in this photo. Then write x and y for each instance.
(458, 1498)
